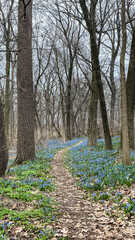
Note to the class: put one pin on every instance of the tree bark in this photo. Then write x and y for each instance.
(92, 114)
(12, 117)
(68, 102)
(114, 53)
(61, 99)
(7, 90)
(26, 116)
(7, 30)
(112, 111)
(130, 90)
(90, 22)
(3, 144)
(125, 137)
(113, 93)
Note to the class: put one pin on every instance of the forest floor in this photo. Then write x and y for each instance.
(70, 191)
(81, 218)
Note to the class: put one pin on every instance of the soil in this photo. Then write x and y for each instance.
(79, 217)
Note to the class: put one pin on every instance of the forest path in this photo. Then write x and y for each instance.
(79, 217)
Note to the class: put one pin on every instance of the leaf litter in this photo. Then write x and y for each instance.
(79, 216)
(82, 218)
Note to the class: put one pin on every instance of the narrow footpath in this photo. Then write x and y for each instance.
(79, 217)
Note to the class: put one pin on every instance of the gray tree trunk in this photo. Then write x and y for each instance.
(68, 101)
(12, 117)
(3, 145)
(115, 51)
(113, 94)
(26, 116)
(125, 137)
(130, 89)
(90, 22)
(7, 29)
(92, 114)
(7, 89)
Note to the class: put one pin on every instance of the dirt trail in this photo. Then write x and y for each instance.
(80, 218)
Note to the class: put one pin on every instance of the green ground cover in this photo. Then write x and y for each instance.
(26, 209)
(28, 212)
(103, 176)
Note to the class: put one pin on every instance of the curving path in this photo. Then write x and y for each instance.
(80, 218)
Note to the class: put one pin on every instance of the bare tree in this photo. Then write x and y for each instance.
(69, 32)
(89, 17)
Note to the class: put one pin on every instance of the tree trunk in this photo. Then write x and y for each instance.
(68, 104)
(130, 89)
(12, 118)
(3, 145)
(113, 93)
(112, 111)
(115, 51)
(90, 22)
(84, 121)
(62, 107)
(125, 138)
(26, 116)
(92, 114)
(7, 90)
(7, 30)
(72, 123)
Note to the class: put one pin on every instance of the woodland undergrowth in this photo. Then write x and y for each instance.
(28, 212)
